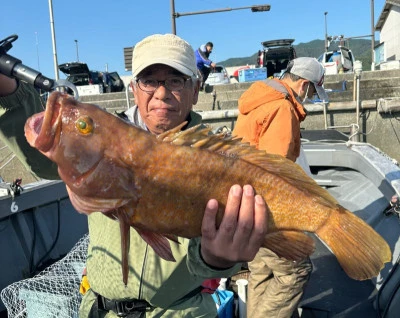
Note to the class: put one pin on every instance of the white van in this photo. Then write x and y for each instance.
(338, 61)
(218, 76)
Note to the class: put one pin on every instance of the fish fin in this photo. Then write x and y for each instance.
(292, 245)
(159, 243)
(293, 174)
(172, 237)
(230, 146)
(124, 226)
(88, 204)
(359, 249)
(169, 135)
(188, 137)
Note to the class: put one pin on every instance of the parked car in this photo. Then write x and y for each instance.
(218, 76)
(117, 84)
(235, 74)
(337, 61)
(78, 73)
(275, 56)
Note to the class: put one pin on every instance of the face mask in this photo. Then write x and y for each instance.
(305, 96)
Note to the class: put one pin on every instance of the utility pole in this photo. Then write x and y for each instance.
(37, 50)
(77, 50)
(372, 36)
(326, 33)
(53, 37)
(172, 2)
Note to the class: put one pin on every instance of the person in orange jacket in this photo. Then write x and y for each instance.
(270, 115)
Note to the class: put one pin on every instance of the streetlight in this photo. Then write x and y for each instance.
(37, 50)
(254, 8)
(326, 34)
(372, 37)
(53, 38)
(77, 51)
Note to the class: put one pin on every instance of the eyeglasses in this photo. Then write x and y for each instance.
(150, 85)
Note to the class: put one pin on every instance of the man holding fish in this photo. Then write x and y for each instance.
(157, 182)
(165, 87)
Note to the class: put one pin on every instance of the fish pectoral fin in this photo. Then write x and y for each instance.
(159, 244)
(88, 204)
(125, 242)
(292, 245)
(173, 238)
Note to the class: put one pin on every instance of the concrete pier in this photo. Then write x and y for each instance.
(377, 120)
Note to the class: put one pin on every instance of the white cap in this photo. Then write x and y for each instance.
(167, 49)
(310, 69)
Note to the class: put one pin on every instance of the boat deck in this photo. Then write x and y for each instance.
(350, 174)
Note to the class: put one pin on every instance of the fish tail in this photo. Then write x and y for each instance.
(360, 250)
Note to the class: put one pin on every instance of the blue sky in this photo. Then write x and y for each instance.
(104, 28)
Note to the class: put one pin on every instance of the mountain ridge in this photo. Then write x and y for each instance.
(361, 49)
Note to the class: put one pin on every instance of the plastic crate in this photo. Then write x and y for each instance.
(252, 74)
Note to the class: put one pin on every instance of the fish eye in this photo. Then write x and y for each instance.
(84, 125)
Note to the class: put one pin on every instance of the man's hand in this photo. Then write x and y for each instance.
(213, 65)
(241, 232)
(7, 85)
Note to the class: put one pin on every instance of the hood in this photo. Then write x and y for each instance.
(261, 94)
(74, 68)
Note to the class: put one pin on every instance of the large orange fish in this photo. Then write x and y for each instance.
(160, 185)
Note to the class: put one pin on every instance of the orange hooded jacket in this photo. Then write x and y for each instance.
(270, 118)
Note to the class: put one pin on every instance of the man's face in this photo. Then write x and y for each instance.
(164, 109)
(209, 49)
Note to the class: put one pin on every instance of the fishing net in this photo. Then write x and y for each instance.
(54, 293)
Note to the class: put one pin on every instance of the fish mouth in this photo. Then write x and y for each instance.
(41, 128)
(78, 181)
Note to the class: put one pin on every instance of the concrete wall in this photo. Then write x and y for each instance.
(379, 129)
(379, 118)
(218, 105)
(127, 78)
(379, 112)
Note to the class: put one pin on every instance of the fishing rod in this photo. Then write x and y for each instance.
(13, 67)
